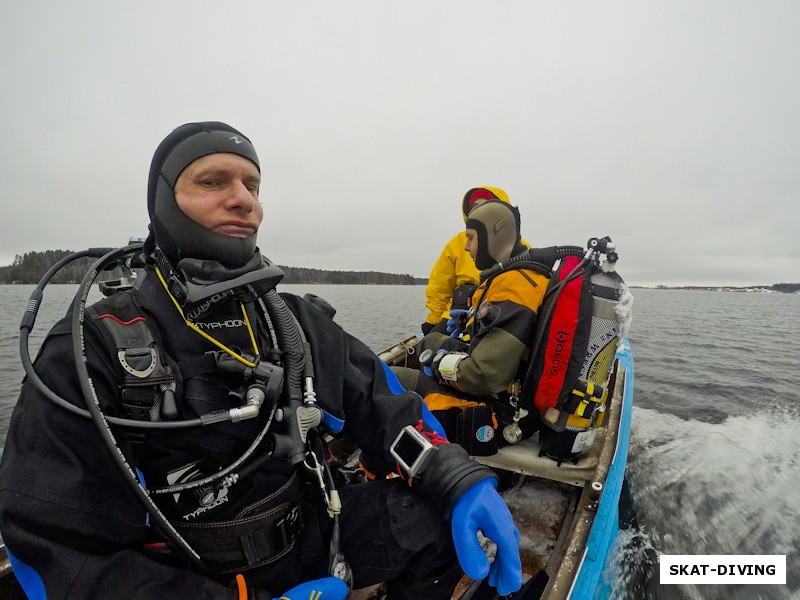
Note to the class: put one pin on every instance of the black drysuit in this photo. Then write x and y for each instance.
(66, 511)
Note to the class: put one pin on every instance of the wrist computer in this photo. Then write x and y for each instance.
(412, 450)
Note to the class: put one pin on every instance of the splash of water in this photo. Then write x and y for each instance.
(717, 488)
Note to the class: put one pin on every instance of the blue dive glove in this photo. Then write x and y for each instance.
(482, 508)
(457, 321)
(327, 588)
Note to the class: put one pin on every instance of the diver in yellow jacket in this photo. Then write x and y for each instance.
(469, 371)
(455, 266)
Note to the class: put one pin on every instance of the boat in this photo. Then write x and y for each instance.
(568, 513)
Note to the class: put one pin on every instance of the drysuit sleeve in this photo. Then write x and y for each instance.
(501, 333)
(360, 390)
(68, 517)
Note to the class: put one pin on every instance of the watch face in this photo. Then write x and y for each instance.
(425, 356)
(408, 449)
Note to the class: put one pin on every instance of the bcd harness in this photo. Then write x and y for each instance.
(150, 384)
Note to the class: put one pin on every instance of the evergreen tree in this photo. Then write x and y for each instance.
(31, 266)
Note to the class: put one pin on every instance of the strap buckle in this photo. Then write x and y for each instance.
(289, 526)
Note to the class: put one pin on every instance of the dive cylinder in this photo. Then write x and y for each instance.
(578, 334)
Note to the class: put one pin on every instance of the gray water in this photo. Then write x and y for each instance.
(714, 460)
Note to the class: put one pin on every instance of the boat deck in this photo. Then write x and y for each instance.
(524, 458)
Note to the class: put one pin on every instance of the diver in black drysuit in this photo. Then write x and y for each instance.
(74, 527)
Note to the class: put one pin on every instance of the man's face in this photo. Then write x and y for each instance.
(472, 243)
(220, 192)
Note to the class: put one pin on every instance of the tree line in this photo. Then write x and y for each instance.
(304, 275)
(29, 268)
(789, 288)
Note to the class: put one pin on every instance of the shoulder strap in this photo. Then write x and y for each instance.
(146, 380)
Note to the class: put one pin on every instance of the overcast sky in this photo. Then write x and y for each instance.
(671, 126)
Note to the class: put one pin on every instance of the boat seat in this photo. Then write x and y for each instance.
(524, 458)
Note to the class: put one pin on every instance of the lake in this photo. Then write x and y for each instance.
(714, 462)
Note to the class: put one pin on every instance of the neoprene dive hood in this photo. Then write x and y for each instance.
(178, 236)
(497, 225)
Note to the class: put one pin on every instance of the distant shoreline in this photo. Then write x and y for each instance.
(778, 288)
(29, 268)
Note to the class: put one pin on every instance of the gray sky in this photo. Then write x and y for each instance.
(672, 126)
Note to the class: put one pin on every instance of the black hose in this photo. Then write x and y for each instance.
(27, 324)
(546, 256)
(292, 349)
(32, 307)
(93, 403)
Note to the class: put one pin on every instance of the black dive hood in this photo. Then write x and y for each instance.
(178, 236)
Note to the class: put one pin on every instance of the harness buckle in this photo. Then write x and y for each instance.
(290, 526)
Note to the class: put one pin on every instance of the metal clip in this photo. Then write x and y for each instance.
(513, 432)
(317, 468)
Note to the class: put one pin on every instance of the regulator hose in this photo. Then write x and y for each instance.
(107, 255)
(535, 258)
(297, 364)
(29, 320)
(93, 404)
(289, 340)
(546, 256)
(293, 352)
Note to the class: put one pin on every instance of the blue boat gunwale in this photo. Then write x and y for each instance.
(589, 583)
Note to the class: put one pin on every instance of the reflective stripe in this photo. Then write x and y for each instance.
(391, 379)
(331, 423)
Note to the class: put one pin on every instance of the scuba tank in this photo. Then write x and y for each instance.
(574, 347)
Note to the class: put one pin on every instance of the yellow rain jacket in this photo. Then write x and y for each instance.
(454, 267)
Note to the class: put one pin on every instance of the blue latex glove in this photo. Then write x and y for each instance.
(452, 323)
(327, 588)
(482, 508)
